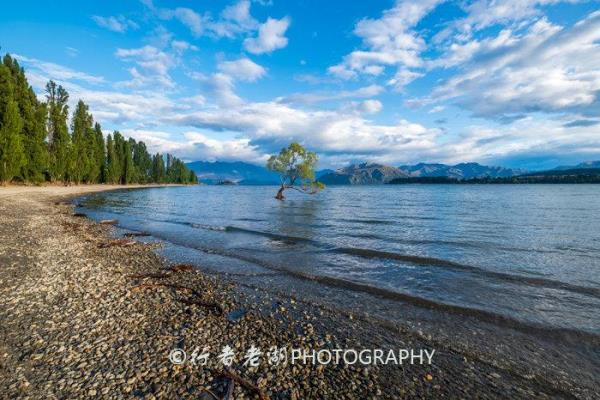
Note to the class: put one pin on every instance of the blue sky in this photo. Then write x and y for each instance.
(507, 82)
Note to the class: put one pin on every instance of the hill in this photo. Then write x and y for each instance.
(583, 165)
(371, 173)
(362, 174)
(576, 175)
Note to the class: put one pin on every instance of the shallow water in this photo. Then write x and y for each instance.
(523, 253)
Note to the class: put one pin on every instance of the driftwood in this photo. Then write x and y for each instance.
(71, 225)
(229, 392)
(109, 222)
(182, 268)
(244, 383)
(117, 242)
(136, 234)
(197, 296)
(80, 215)
(211, 394)
(159, 275)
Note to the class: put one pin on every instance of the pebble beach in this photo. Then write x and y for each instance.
(87, 314)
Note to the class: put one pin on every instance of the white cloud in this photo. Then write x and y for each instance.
(152, 65)
(271, 36)
(369, 106)
(58, 72)
(196, 146)
(235, 19)
(220, 86)
(188, 17)
(483, 14)
(243, 69)
(181, 46)
(307, 98)
(116, 24)
(271, 125)
(547, 69)
(402, 78)
(388, 41)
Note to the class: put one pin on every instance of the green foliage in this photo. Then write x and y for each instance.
(81, 127)
(36, 145)
(158, 168)
(296, 166)
(11, 148)
(58, 132)
(33, 132)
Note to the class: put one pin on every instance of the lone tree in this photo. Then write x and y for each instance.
(296, 168)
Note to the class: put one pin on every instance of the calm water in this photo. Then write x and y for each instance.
(529, 253)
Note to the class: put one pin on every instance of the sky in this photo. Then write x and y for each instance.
(500, 82)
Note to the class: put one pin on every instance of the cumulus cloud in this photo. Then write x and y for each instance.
(235, 19)
(152, 64)
(483, 14)
(271, 36)
(242, 69)
(196, 145)
(115, 23)
(270, 125)
(188, 17)
(388, 41)
(546, 69)
(370, 106)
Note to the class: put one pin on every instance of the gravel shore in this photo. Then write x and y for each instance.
(85, 315)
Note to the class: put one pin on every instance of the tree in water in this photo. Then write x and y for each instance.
(296, 168)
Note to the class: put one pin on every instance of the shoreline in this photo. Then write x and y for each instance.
(88, 315)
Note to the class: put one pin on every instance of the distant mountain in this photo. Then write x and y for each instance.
(370, 173)
(238, 172)
(577, 175)
(583, 165)
(459, 171)
(362, 174)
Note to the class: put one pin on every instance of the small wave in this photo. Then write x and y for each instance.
(437, 262)
(367, 221)
(208, 227)
(274, 236)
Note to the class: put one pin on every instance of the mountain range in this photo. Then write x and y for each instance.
(357, 174)
(583, 165)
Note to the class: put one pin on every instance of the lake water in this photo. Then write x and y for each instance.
(523, 253)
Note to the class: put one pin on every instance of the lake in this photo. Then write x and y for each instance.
(523, 254)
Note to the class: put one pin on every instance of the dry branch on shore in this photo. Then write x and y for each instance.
(233, 377)
(117, 243)
(195, 300)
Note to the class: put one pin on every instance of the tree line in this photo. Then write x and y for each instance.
(37, 143)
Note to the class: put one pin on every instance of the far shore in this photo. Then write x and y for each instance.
(88, 315)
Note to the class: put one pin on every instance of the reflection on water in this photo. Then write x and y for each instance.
(525, 252)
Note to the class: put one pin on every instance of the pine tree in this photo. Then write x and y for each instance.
(81, 146)
(11, 148)
(112, 162)
(128, 167)
(97, 155)
(158, 169)
(33, 133)
(142, 162)
(58, 133)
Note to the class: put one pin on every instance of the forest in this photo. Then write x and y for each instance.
(37, 143)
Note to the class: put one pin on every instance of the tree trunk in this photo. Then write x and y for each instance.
(279, 195)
